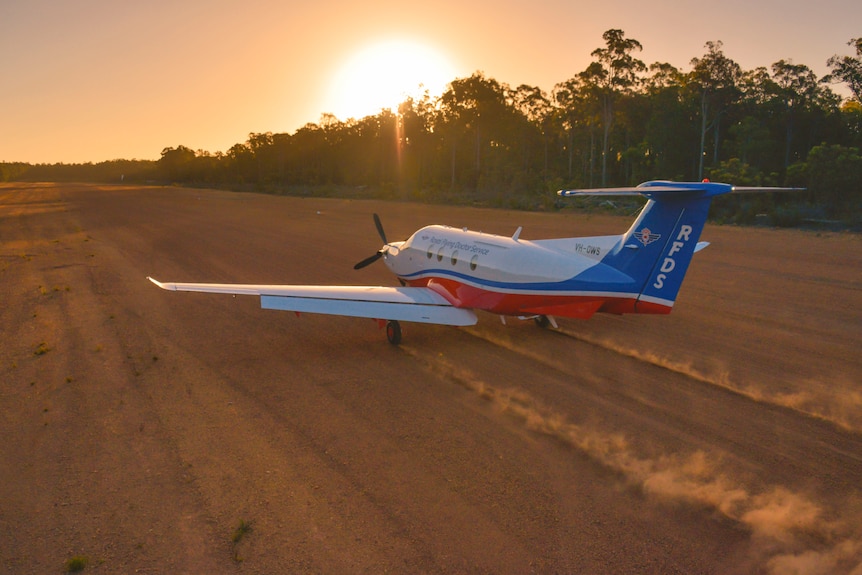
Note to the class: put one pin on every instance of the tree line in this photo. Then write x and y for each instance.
(618, 122)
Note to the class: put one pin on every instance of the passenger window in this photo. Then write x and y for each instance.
(454, 257)
(473, 262)
(430, 252)
(440, 255)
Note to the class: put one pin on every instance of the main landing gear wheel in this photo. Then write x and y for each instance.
(542, 321)
(393, 332)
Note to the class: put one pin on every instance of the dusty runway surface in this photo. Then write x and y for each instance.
(141, 428)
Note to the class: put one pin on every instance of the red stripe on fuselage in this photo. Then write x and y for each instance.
(582, 307)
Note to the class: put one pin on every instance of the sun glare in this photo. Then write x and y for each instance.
(384, 75)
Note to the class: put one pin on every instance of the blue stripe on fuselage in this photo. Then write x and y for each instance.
(597, 278)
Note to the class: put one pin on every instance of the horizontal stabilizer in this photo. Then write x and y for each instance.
(656, 189)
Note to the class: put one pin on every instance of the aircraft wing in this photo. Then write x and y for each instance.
(416, 304)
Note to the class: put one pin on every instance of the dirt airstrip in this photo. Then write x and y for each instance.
(154, 432)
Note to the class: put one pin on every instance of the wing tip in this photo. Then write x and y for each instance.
(160, 284)
(765, 189)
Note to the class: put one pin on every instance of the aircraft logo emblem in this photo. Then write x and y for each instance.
(646, 237)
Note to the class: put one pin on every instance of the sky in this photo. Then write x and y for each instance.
(96, 80)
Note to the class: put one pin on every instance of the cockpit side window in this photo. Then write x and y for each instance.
(474, 262)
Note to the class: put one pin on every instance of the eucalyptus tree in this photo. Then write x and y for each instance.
(668, 138)
(799, 93)
(579, 115)
(716, 78)
(612, 75)
(851, 116)
(384, 131)
(309, 156)
(177, 163)
(755, 134)
(263, 152)
(417, 141)
(280, 151)
(472, 109)
(240, 162)
(534, 124)
(834, 176)
(352, 149)
(848, 69)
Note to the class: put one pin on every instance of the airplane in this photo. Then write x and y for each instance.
(447, 274)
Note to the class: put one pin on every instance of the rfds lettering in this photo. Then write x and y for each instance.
(669, 263)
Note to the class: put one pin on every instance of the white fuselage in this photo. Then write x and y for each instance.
(498, 273)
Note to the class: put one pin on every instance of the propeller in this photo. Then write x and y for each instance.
(371, 259)
(380, 228)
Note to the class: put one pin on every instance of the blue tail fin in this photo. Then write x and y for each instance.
(657, 249)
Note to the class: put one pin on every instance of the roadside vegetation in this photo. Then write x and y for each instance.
(618, 122)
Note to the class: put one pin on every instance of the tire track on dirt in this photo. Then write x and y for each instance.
(836, 406)
(842, 410)
(790, 531)
(839, 447)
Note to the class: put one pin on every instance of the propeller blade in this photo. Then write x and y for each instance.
(380, 229)
(369, 260)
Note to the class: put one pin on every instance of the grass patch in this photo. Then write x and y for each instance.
(76, 564)
(243, 529)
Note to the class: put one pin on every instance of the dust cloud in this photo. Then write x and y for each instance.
(790, 533)
(836, 402)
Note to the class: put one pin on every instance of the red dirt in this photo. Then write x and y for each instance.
(140, 427)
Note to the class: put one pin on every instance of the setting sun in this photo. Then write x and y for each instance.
(383, 75)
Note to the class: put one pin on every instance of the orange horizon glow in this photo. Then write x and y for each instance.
(106, 80)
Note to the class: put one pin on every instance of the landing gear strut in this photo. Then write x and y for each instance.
(393, 332)
(544, 321)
